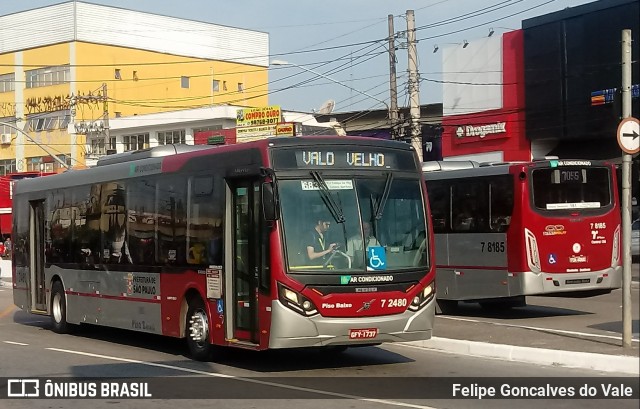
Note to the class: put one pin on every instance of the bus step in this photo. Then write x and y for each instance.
(242, 344)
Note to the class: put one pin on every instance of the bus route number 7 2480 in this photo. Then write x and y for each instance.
(492, 246)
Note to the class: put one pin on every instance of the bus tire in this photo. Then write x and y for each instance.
(504, 305)
(59, 322)
(197, 331)
(446, 306)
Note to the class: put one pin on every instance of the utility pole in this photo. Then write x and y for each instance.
(414, 87)
(626, 195)
(393, 86)
(105, 116)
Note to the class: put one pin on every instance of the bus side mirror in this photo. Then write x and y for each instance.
(269, 202)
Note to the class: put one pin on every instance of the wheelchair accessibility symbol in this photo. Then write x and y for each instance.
(553, 259)
(376, 258)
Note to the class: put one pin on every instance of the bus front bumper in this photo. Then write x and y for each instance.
(550, 283)
(291, 330)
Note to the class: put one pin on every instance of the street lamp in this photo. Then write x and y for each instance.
(44, 148)
(281, 62)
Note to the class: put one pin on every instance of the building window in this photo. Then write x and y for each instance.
(118, 114)
(49, 121)
(224, 85)
(98, 147)
(184, 82)
(43, 77)
(7, 166)
(64, 122)
(5, 128)
(169, 137)
(240, 87)
(135, 142)
(116, 74)
(216, 85)
(7, 82)
(135, 76)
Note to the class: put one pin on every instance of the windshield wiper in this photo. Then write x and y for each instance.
(378, 204)
(334, 208)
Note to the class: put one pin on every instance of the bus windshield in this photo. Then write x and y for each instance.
(376, 223)
(571, 188)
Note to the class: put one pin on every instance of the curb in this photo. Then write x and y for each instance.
(571, 359)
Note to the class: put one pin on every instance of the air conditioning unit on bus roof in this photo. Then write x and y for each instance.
(5, 138)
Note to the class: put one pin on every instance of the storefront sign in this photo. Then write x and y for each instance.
(285, 129)
(269, 115)
(481, 131)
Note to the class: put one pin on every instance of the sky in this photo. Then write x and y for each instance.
(345, 40)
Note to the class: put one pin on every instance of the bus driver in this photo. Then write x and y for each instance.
(316, 245)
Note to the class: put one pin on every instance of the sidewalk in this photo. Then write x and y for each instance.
(568, 337)
(532, 345)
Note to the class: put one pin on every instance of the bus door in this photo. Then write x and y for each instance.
(246, 256)
(36, 261)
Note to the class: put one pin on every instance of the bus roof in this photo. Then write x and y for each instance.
(460, 169)
(170, 158)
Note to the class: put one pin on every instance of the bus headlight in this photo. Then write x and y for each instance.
(423, 297)
(296, 301)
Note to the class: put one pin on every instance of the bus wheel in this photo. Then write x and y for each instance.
(446, 306)
(59, 309)
(198, 331)
(504, 304)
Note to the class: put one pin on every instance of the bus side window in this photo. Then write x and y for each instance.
(171, 197)
(438, 192)
(501, 191)
(142, 219)
(204, 225)
(469, 206)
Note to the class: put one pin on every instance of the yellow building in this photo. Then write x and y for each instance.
(67, 68)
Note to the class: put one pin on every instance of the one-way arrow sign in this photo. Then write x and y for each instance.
(628, 132)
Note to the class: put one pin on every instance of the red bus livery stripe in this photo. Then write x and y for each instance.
(115, 297)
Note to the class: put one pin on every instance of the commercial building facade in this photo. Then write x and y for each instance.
(68, 70)
(551, 88)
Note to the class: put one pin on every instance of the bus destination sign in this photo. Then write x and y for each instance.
(343, 158)
(315, 159)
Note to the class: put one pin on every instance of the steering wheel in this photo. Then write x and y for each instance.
(333, 254)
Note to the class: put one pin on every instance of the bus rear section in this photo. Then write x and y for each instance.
(505, 231)
(571, 229)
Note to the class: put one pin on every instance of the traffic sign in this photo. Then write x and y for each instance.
(629, 135)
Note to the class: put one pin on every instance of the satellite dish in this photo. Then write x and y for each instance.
(327, 107)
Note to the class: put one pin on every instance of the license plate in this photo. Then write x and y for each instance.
(363, 333)
(578, 281)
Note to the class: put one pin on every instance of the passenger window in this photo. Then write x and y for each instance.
(501, 191)
(204, 230)
(439, 195)
(469, 206)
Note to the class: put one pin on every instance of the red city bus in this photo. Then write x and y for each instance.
(210, 244)
(6, 194)
(505, 231)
